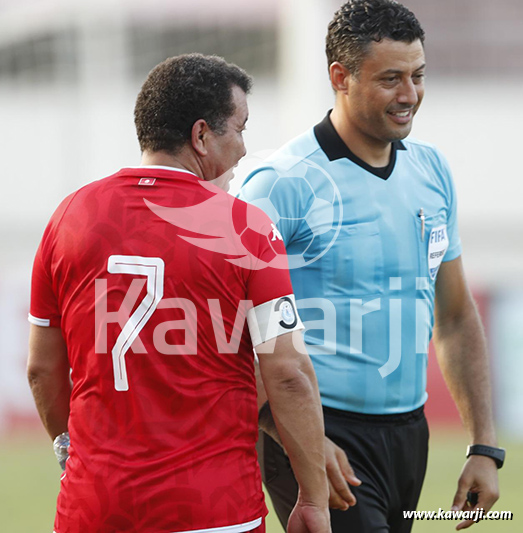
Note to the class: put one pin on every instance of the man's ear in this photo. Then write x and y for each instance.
(339, 76)
(199, 135)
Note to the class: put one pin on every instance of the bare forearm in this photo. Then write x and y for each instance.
(462, 354)
(51, 394)
(48, 375)
(265, 419)
(298, 418)
(292, 390)
(338, 468)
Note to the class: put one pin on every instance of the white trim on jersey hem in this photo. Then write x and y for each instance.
(272, 319)
(238, 528)
(44, 322)
(162, 167)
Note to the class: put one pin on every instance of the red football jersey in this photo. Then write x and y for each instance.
(152, 274)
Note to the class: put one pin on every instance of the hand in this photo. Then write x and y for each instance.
(339, 473)
(308, 518)
(480, 475)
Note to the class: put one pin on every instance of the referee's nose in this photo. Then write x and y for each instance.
(409, 93)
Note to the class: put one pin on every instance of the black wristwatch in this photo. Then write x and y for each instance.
(498, 454)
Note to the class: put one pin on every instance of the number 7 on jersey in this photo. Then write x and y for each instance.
(153, 268)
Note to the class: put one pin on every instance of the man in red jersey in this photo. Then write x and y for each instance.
(149, 290)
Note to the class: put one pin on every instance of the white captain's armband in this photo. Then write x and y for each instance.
(272, 319)
(44, 322)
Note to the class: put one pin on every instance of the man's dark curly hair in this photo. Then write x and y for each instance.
(358, 23)
(181, 90)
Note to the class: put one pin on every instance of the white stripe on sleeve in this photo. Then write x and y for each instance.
(44, 322)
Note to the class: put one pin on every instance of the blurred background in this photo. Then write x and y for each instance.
(69, 75)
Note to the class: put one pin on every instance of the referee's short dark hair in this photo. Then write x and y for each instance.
(358, 23)
(181, 90)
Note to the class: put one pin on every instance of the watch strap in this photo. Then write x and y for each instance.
(497, 454)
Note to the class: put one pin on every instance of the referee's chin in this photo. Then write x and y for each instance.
(398, 134)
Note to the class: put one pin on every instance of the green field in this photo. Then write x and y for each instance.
(29, 479)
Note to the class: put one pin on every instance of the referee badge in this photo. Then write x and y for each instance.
(438, 244)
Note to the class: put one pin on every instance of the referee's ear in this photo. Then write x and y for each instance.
(199, 136)
(339, 76)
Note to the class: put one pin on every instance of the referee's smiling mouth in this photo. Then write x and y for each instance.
(403, 116)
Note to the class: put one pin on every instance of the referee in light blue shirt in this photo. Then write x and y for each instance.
(369, 221)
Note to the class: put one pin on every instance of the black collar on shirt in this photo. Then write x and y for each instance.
(334, 147)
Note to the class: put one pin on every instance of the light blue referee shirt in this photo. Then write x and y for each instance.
(364, 247)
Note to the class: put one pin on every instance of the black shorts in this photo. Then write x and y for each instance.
(387, 452)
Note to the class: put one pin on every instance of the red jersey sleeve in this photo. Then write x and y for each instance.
(269, 287)
(44, 309)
